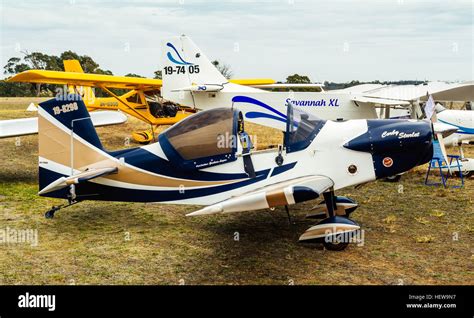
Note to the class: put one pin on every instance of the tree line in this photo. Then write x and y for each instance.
(41, 61)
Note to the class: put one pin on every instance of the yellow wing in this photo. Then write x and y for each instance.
(86, 79)
(253, 81)
(110, 81)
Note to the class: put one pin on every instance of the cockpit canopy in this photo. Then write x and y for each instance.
(212, 137)
(301, 129)
(204, 139)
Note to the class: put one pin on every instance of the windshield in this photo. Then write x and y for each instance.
(301, 129)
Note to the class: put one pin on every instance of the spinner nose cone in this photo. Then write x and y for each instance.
(396, 145)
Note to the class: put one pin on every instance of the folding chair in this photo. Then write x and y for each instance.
(440, 162)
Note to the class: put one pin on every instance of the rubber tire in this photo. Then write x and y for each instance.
(335, 247)
(394, 178)
(464, 174)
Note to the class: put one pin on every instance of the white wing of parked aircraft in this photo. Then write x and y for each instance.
(29, 126)
(406, 94)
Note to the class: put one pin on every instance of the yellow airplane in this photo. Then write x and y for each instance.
(142, 100)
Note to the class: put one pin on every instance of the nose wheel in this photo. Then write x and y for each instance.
(335, 246)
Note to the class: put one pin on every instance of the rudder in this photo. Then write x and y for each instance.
(67, 138)
(185, 65)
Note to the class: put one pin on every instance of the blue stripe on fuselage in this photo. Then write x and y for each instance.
(148, 161)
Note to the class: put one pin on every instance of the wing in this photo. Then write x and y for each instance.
(383, 101)
(404, 94)
(87, 79)
(29, 126)
(285, 193)
(76, 78)
(77, 178)
(287, 85)
(252, 81)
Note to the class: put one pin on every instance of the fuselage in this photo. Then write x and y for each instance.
(463, 120)
(347, 152)
(266, 108)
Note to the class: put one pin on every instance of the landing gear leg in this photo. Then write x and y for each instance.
(50, 213)
(330, 200)
(71, 201)
(336, 243)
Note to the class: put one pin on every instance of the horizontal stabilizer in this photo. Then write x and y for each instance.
(280, 194)
(78, 178)
(200, 88)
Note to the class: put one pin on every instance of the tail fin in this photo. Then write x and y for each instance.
(87, 93)
(184, 64)
(67, 139)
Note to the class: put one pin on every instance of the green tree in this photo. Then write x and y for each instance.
(41, 61)
(14, 66)
(134, 75)
(38, 60)
(87, 63)
(298, 79)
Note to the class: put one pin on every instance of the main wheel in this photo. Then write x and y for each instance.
(465, 174)
(468, 174)
(394, 178)
(335, 246)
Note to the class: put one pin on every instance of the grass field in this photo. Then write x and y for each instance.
(414, 234)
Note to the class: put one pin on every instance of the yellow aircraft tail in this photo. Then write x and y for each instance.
(86, 92)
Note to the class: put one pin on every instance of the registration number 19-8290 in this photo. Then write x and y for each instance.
(66, 108)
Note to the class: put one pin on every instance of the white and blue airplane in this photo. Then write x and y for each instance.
(207, 159)
(190, 79)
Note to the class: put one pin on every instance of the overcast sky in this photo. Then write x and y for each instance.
(334, 40)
